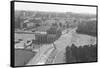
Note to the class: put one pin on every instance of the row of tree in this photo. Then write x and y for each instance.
(52, 35)
(88, 27)
(86, 53)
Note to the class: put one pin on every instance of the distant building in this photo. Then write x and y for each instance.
(40, 32)
(30, 24)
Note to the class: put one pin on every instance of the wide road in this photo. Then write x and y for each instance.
(48, 55)
(61, 44)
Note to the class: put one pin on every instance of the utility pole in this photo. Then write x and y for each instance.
(54, 45)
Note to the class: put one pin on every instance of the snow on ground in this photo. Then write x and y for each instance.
(81, 39)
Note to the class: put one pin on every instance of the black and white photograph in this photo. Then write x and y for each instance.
(51, 33)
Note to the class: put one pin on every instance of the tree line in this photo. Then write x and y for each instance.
(86, 53)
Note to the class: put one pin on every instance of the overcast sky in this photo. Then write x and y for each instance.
(54, 8)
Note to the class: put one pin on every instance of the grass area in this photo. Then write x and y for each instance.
(22, 57)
